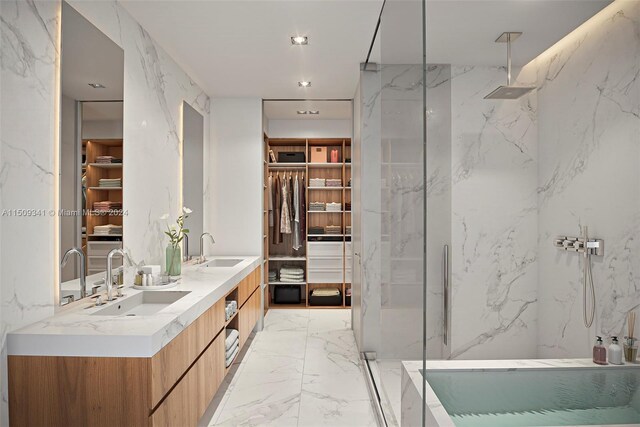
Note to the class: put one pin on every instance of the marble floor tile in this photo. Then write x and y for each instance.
(302, 370)
(391, 378)
(332, 353)
(329, 320)
(287, 320)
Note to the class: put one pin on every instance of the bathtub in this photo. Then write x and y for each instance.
(513, 393)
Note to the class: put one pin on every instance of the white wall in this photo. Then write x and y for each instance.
(236, 176)
(310, 128)
(102, 129)
(154, 89)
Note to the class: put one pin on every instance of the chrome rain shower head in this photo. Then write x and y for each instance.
(509, 91)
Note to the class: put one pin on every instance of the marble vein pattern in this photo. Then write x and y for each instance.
(321, 384)
(589, 127)
(494, 219)
(154, 88)
(28, 59)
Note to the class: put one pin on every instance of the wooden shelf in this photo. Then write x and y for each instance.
(287, 258)
(106, 165)
(105, 235)
(232, 318)
(329, 212)
(287, 283)
(287, 165)
(326, 165)
(326, 188)
(105, 188)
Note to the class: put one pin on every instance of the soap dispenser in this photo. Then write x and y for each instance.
(615, 352)
(599, 352)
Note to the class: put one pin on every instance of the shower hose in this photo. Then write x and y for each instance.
(587, 279)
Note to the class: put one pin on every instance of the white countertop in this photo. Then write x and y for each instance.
(74, 331)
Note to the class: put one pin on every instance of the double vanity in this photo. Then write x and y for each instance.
(149, 358)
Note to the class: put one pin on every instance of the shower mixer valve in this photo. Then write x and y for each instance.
(578, 244)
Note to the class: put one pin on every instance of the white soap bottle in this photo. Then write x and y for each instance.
(615, 352)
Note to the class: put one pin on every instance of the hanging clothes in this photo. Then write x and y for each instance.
(277, 203)
(290, 191)
(270, 201)
(285, 215)
(297, 243)
(303, 210)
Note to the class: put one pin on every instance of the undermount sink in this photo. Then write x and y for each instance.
(144, 303)
(223, 262)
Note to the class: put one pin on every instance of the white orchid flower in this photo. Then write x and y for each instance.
(165, 216)
(186, 210)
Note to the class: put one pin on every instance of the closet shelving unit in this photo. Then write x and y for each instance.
(283, 254)
(99, 245)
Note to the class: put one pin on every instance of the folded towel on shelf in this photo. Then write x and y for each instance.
(334, 207)
(317, 182)
(232, 349)
(316, 230)
(106, 230)
(288, 269)
(333, 229)
(329, 292)
(286, 280)
(232, 337)
(348, 229)
(229, 359)
(110, 182)
(107, 206)
(317, 206)
(230, 309)
(333, 183)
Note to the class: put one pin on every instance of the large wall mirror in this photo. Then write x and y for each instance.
(192, 173)
(91, 154)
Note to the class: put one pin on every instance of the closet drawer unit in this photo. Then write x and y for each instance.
(325, 263)
(325, 249)
(99, 263)
(102, 248)
(333, 275)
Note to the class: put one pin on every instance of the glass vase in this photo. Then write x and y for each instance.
(174, 260)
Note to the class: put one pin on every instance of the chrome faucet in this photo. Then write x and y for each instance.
(83, 271)
(186, 257)
(109, 274)
(202, 257)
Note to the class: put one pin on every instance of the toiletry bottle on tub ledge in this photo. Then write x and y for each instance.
(615, 352)
(599, 352)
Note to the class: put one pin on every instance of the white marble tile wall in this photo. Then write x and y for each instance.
(494, 228)
(29, 54)
(154, 86)
(589, 149)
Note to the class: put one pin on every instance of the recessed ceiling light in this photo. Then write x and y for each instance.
(302, 112)
(304, 84)
(97, 85)
(300, 40)
(314, 112)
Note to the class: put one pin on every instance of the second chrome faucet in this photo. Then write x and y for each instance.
(202, 257)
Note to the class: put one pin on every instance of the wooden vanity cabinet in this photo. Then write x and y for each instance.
(172, 388)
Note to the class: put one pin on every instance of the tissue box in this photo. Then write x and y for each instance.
(154, 270)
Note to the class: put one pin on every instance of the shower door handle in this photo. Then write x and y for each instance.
(445, 290)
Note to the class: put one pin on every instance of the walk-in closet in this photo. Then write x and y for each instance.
(307, 220)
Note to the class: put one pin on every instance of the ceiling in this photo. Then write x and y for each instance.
(288, 110)
(89, 56)
(463, 32)
(242, 48)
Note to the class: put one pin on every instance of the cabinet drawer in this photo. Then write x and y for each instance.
(99, 263)
(174, 359)
(324, 263)
(188, 401)
(248, 317)
(325, 249)
(324, 275)
(102, 248)
(248, 285)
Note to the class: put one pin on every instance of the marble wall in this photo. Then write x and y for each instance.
(589, 149)
(494, 219)
(154, 86)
